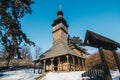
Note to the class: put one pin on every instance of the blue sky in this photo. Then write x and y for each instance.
(100, 16)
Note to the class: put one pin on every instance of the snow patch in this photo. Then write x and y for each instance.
(115, 74)
(25, 74)
(63, 76)
(71, 75)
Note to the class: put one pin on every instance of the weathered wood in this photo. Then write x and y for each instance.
(73, 62)
(68, 66)
(97, 40)
(116, 59)
(58, 63)
(52, 65)
(39, 67)
(106, 68)
(44, 65)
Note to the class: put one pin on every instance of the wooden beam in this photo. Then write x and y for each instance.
(68, 66)
(52, 64)
(39, 67)
(116, 59)
(44, 64)
(58, 63)
(107, 75)
(73, 62)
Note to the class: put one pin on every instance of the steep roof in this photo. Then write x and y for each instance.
(58, 50)
(96, 40)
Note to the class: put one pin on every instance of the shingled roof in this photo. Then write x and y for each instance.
(59, 50)
(96, 40)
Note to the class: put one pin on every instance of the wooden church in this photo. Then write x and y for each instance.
(62, 56)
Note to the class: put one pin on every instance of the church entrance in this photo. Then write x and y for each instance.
(55, 64)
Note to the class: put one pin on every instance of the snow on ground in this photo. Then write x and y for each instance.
(71, 75)
(24, 74)
(115, 74)
(27, 74)
(63, 76)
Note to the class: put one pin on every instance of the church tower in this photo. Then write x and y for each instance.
(60, 29)
(61, 57)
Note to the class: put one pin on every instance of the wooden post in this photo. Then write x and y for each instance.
(68, 66)
(52, 64)
(62, 66)
(107, 75)
(58, 63)
(44, 65)
(79, 63)
(39, 67)
(74, 63)
(116, 59)
(82, 62)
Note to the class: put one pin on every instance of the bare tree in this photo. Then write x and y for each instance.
(25, 52)
(95, 60)
(38, 52)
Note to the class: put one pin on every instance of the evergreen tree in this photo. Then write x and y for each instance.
(11, 35)
(76, 41)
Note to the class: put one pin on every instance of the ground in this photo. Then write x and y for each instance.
(27, 74)
(24, 74)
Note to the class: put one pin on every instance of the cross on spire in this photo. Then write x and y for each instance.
(60, 13)
(60, 7)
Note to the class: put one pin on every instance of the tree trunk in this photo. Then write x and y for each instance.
(8, 61)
